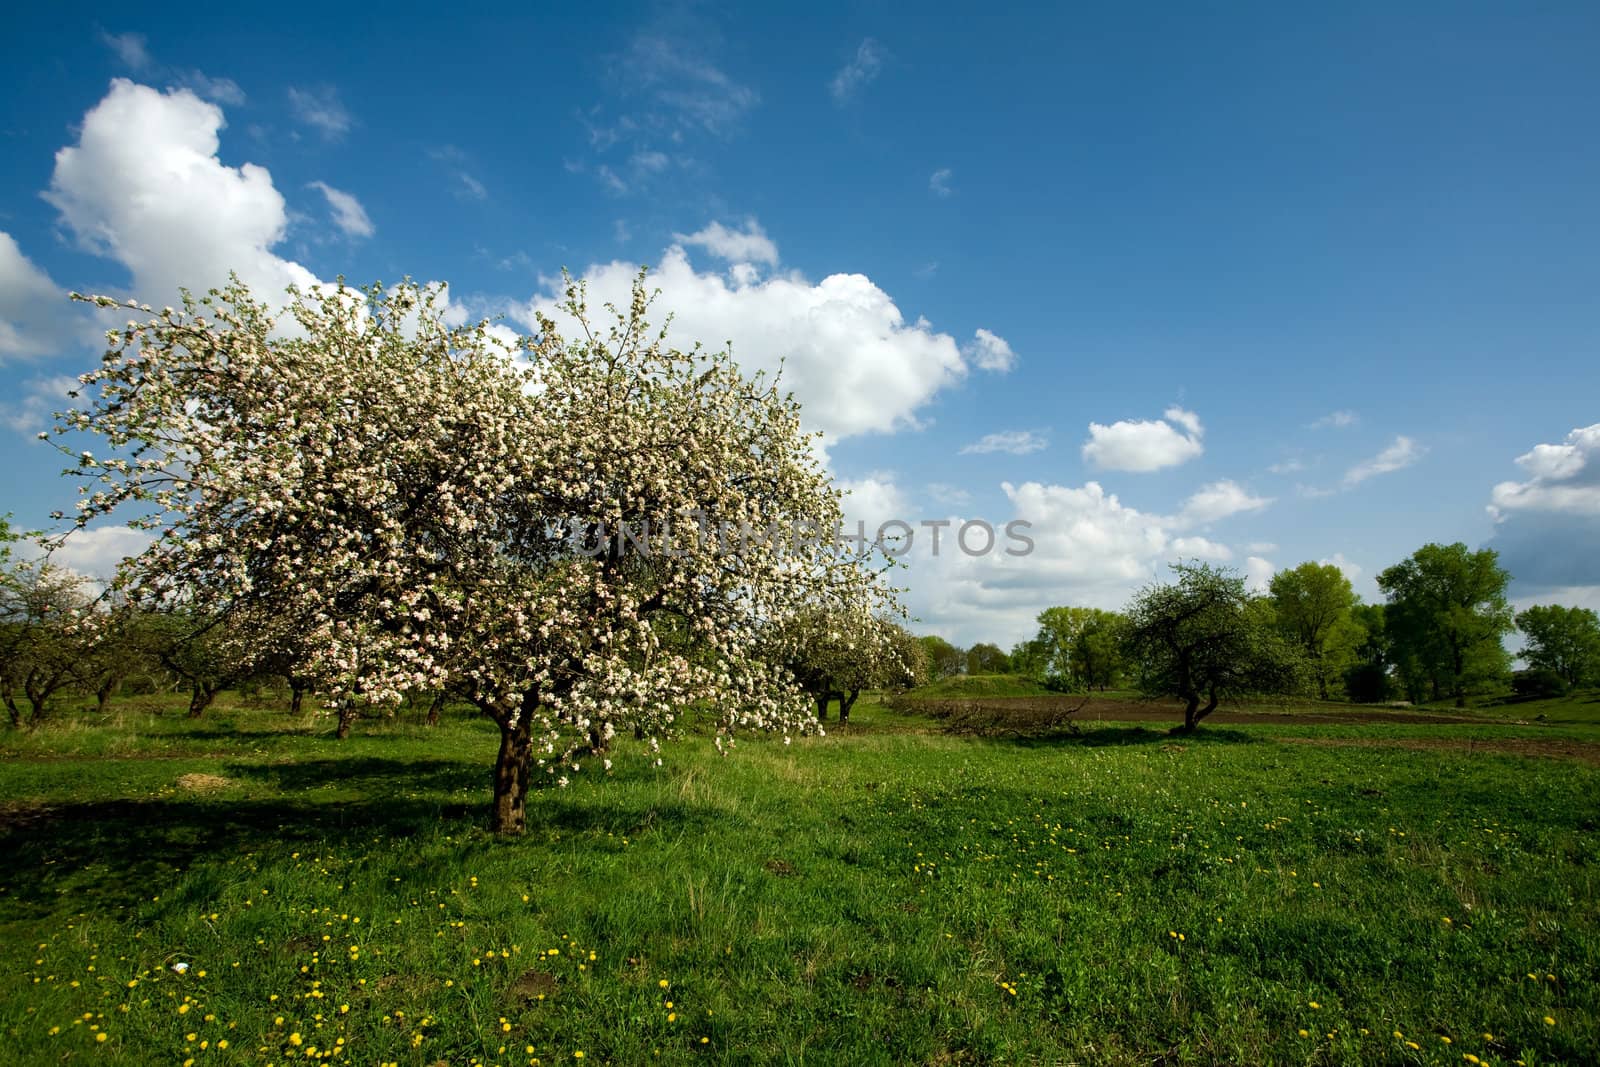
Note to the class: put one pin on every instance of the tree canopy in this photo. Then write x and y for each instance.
(1204, 638)
(1565, 640)
(1312, 604)
(431, 506)
(1446, 615)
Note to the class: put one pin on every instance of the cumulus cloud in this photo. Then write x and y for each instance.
(939, 182)
(1218, 501)
(345, 210)
(97, 552)
(1201, 548)
(1145, 444)
(1350, 570)
(144, 186)
(1547, 525)
(1563, 478)
(1399, 455)
(989, 351)
(1014, 442)
(844, 347)
(34, 313)
(1258, 574)
(750, 245)
(322, 110)
(857, 74)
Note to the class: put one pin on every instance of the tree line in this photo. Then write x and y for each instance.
(1204, 637)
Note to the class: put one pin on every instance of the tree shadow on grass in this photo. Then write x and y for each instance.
(101, 856)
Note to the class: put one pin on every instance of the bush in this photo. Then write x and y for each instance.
(1538, 682)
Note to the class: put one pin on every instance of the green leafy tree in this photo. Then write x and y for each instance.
(1204, 638)
(1447, 612)
(1367, 679)
(837, 654)
(1030, 658)
(1564, 640)
(944, 659)
(984, 658)
(1083, 647)
(1312, 604)
(46, 623)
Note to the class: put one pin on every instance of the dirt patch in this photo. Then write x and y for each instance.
(1584, 751)
(203, 783)
(532, 985)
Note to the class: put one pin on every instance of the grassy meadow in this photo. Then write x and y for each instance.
(246, 889)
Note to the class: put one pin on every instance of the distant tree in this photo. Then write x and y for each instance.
(1446, 615)
(1564, 640)
(984, 658)
(1312, 605)
(1083, 647)
(1204, 638)
(836, 654)
(124, 643)
(1367, 678)
(1030, 658)
(944, 659)
(46, 621)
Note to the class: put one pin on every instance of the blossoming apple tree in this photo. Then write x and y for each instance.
(406, 505)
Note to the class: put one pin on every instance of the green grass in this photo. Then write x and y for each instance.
(887, 894)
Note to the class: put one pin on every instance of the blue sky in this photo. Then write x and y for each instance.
(1325, 280)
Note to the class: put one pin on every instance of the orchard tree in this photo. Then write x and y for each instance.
(1446, 615)
(1564, 640)
(1205, 638)
(1312, 603)
(835, 654)
(46, 624)
(442, 507)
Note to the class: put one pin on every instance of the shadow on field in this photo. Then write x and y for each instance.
(102, 855)
(370, 774)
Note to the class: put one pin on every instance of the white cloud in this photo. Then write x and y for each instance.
(939, 182)
(691, 88)
(1261, 548)
(469, 188)
(34, 313)
(322, 110)
(1336, 420)
(131, 48)
(858, 73)
(1015, 442)
(1350, 570)
(1258, 574)
(96, 552)
(1145, 444)
(989, 351)
(222, 90)
(1565, 478)
(1399, 455)
(1287, 466)
(144, 186)
(873, 500)
(347, 212)
(949, 496)
(1201, 548)
(30, 411)
(750, 245)
(1218, 501)
(844, 348)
